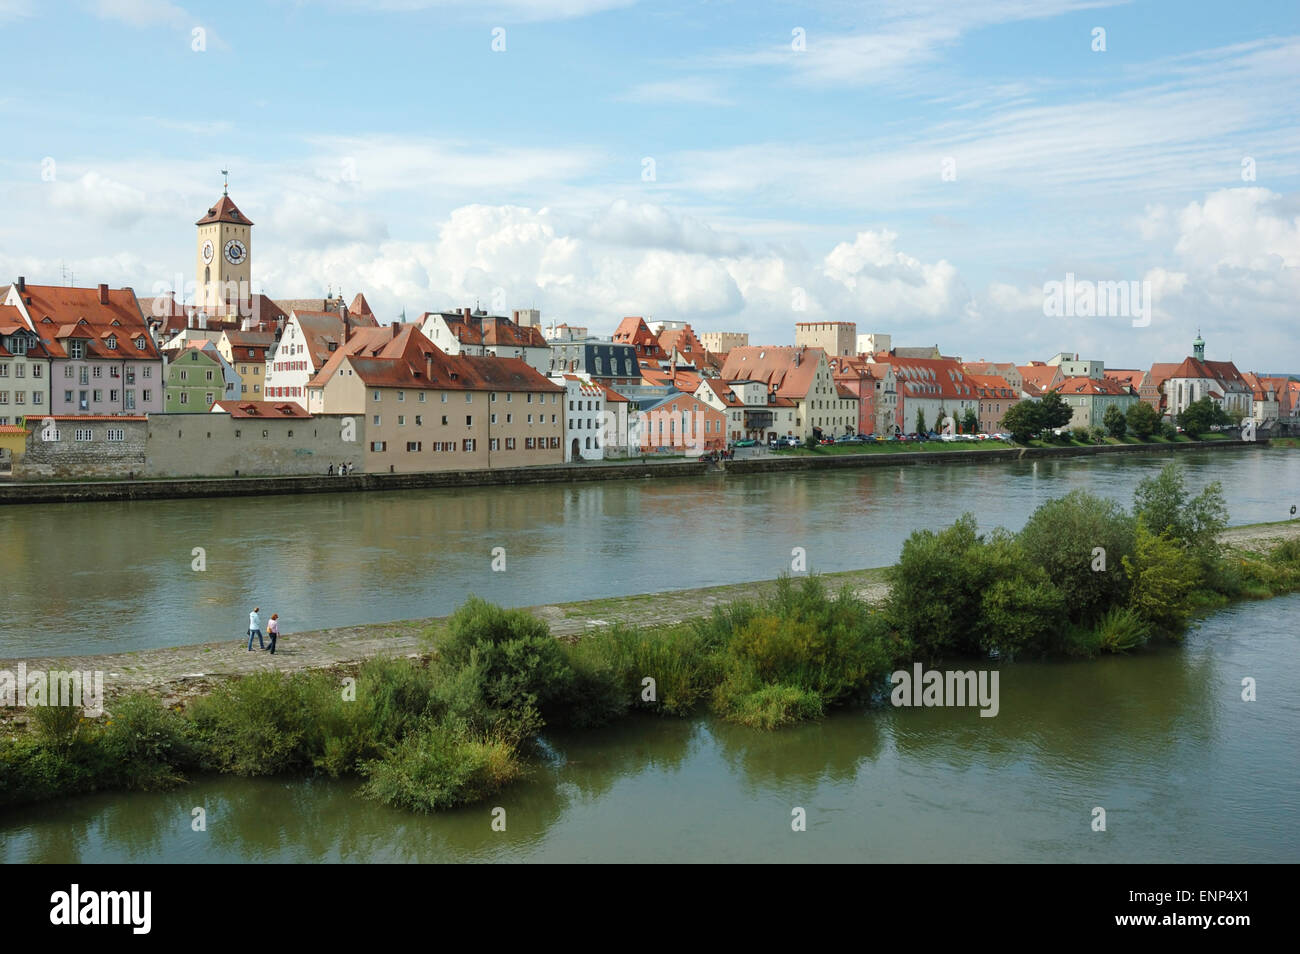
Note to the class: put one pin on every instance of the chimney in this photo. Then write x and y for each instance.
(22, 284)
(103, 294)
(465, 312)
(396, 329)
(428, 365)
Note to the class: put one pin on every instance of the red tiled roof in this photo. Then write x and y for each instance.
(1085, 385)
(261, 409)
(1128, 376)
(59, 313)
(790, 370)
(224, 211)
(931, 378)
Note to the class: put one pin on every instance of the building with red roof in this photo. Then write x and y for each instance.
(801, 375)
(103, 359)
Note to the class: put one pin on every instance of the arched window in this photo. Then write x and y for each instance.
(207, 274)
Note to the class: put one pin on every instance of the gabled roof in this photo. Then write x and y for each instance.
(261, 409)
(935, 378)
(1038, 374)
(790, 370)
(1092, 387)
(224, 211)
(59, 313)
(993, 386)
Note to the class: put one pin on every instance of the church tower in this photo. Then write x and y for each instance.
(225, 254)
(1198, 347)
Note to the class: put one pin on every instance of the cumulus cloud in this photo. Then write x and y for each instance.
(97, 197)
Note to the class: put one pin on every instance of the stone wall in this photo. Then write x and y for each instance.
(192, 445)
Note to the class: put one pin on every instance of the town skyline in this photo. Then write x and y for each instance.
(1109, 165)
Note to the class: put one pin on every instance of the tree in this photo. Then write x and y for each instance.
(970, 422)
(1164, 503)
(1161, 579)
(1142, 420)
(1198, 416)
(1063, 536)
(1022, 421)
(920, 421)
(1116, 423)
(1055, 412)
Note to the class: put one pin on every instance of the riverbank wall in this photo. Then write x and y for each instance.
(186, 488)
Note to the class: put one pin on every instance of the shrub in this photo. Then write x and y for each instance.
(933, 599)
(1115, 421)
(440, 767)
(1020, 609)
(1082, 435)
(1062, 535)
(1142, 420)
(1167, 507)
(1162, 576)
(772, 706)
(1288, 551)
(59, 727)
(253, 726)
(520, 666)
(1121, 629)
(146, 744)
(1096, 434)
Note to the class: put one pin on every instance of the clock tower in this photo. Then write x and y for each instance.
(225, 252)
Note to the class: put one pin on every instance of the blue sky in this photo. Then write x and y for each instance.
(386, 147)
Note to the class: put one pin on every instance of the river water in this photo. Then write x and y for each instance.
(108, 577)
(1162, 740)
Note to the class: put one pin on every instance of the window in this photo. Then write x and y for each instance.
(444, 397)
(468, 445)
(67, 371)
(98, 372)
(184, 376)
(494, 444)
(412, 446)
(530, 419)
(76, 349)
(509, 398)
(509, 418)
(494, 397)
(376, 420)
(112, 396)
(530, 399)
(115, 434)
(421, 397)
(147, 395)
(469, 420)
(468, 397)
(378, 396)
(401, 420)
(208, 398)
(185, 397)
(378, 446)
(99, 395)
(85, 434)
(209, 375)
(510, 443)
(401, 395)
(492, 419)
(528, 443)
(419, 420)
(111, 343)
(38, 397)
(243, 389)
(444, 420)
(4, 370)
(4, 397)
(130, 375)
(148, 371)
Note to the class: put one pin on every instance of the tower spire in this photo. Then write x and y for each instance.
(225, 182)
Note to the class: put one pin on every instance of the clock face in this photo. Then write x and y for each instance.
(235, 251)
(207, 252)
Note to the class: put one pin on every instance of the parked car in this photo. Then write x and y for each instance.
(826, 441)
(789, 441)
(747, 442)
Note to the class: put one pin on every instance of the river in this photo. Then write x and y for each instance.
(1162, 740)
(113, 577)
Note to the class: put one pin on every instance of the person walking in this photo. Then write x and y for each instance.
(273, 630)
(255, 629)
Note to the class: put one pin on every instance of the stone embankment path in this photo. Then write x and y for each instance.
(178, 672)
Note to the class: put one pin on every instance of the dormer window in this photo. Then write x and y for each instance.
(111, 343)
(139, 342)
(76, 349)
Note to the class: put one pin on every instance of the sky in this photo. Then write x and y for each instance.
(925, 169)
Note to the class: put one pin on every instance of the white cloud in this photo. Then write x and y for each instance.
(695, 90)
(15, 9)
(525, 10)
(142, 13)
(101, 199)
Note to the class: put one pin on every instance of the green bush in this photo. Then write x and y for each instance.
(440, 767)
(1082, 435)
(1121, 629)
(1142, 420)
(1195, 523)
(522, 670)
(256, 725)
(147, 744)
(1063, 535)
(1020, 609)
(1162, 576)
(933, 596)
(771, 706)
(59, 727)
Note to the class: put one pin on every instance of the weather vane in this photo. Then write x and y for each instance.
(225, 182)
